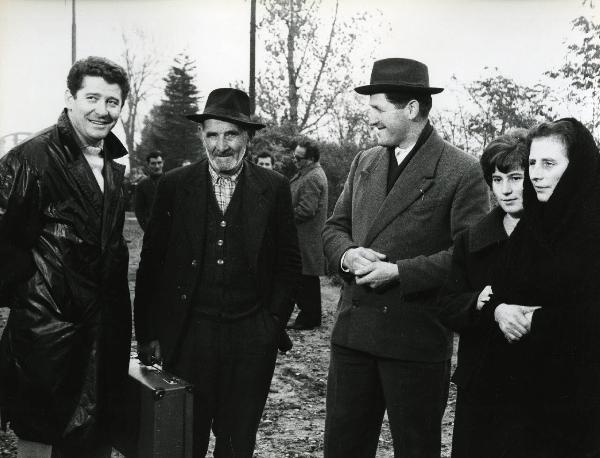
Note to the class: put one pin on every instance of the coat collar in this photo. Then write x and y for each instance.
(489, 231)
(412, 185)
(113, 148)
(305, 170)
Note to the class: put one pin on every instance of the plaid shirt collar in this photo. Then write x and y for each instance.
(224, 186)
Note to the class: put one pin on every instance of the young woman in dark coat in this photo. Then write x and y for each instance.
(544, 366)
(475, 252)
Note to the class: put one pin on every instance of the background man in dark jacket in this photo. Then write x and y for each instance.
(309, 199)
(403, 204)
(63, 266)
(145, 190)
(218, 265)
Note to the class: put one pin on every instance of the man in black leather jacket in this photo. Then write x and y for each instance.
(63, 271)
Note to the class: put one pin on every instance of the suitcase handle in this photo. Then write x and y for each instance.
(167, 378)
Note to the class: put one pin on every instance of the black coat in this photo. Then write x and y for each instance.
(172, 254)
(476, 252)
(145, 192)
(63, 271)
(552, 260)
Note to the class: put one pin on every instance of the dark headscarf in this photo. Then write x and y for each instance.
(552, 260)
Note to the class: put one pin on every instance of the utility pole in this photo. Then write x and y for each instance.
(73, 35)
(252, 84)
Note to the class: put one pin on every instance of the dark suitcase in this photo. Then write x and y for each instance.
(160, 415)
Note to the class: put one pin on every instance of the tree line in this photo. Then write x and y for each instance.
(306, 88)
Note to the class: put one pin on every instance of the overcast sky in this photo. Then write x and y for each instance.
(523, 38)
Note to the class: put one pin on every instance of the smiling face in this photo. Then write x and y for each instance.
(548, 160)
(508, 189)
(392, 124)
(225, 144)
(94, 109)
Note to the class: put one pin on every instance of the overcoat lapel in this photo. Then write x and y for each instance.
(88, 187)
(194, 206)
(255, 205)
(411, 186)
(370, 194)
(113, 181)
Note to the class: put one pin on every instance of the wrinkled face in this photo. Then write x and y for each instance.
(508, 189)
(155, 166)
(225, 145)
(391, 123)
(94, 109)
(548, 161)
(265, 162)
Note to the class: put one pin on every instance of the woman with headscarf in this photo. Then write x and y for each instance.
(543, 367)
(475, 253)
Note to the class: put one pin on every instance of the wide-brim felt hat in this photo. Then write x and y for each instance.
(399, 75)
(227, 104)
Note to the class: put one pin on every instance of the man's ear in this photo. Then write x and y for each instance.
(69, 99)
(413, 110)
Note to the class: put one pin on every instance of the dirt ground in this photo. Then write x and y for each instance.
(294, 417)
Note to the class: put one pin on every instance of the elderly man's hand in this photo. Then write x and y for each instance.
(358, 258)
(377, 273)
(514, 320)
(149, 353)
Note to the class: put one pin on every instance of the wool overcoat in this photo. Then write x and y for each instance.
(172, 255)
(145, 191)
(64, 352)
(440, 193)
(309, 199)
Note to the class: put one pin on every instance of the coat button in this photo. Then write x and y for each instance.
(220, 242)
(384, 309)
(223, 223)
(184, 297)
(194, 263)
(220, 262)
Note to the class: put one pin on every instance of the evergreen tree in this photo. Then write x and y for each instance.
(166, 128)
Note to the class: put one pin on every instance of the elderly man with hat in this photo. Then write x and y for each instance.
(390, 237)
(218, 266)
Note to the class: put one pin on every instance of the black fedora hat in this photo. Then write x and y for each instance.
(399, 75)
(227, 104)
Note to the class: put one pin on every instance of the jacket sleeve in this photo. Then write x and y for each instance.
(458, 298)
(288, 265)
(308, 201)
(20, 221)
(152, 261)
(469, 204)
(337, 232)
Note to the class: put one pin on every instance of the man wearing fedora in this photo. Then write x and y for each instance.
(402, 205)
(218, 266)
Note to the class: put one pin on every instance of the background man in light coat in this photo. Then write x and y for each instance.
(63, 266)
(402, 205)
(309, 199)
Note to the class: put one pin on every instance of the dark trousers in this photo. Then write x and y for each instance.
(308, 300)
(231, 365)
(361, 387)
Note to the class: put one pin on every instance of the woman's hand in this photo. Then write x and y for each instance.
(514, 320)
(484, 296)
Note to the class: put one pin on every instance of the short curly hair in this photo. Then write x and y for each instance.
(506, 153)
(98, 66)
